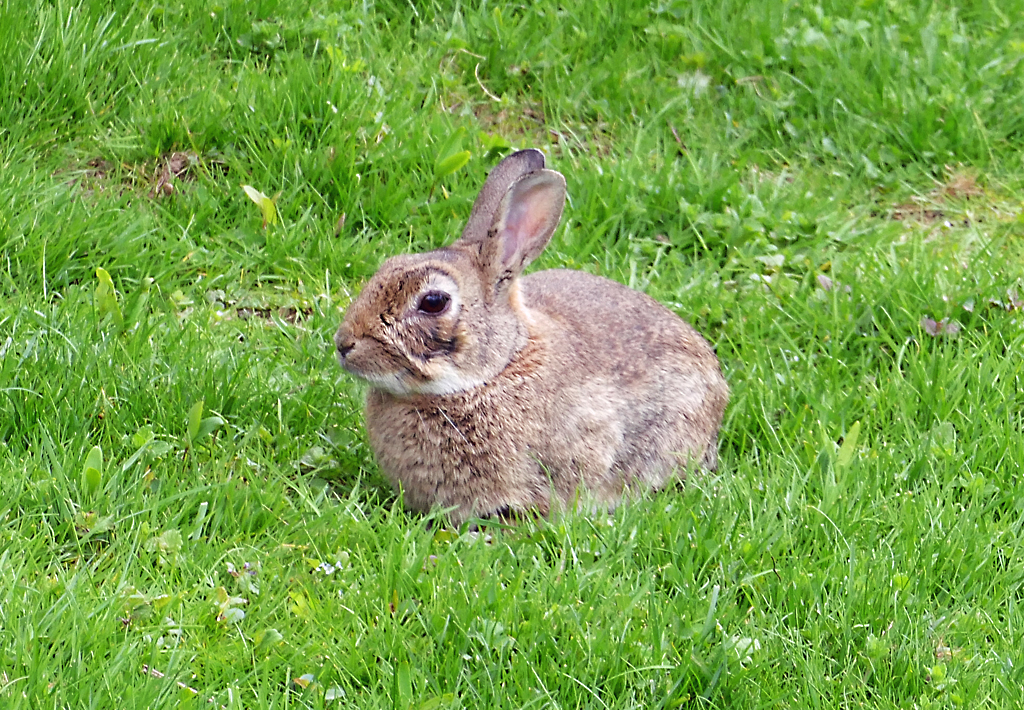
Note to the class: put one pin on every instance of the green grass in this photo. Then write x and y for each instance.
(808, 184)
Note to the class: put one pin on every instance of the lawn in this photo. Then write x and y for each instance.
(190, 514)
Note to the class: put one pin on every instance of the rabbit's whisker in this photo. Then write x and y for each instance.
(448, 419)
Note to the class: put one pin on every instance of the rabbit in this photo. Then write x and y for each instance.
(495, 395)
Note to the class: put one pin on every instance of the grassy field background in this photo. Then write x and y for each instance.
(189, 512)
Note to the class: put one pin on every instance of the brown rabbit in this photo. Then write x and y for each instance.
(493, 394)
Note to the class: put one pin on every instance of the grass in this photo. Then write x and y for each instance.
(831, 192)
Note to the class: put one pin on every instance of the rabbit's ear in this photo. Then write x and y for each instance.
(498, 183)
(525, 220)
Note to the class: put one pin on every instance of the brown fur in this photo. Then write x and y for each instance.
(528, 393)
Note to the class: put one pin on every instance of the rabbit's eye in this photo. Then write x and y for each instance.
(434, 303)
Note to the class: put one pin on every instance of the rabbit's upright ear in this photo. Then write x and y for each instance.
(525, 221)
(499, 180)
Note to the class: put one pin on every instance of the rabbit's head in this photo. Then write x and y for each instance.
(449, 320)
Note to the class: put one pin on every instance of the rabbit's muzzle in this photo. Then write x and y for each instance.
(344, 344)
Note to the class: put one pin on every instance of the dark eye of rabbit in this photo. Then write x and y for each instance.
(434, 303)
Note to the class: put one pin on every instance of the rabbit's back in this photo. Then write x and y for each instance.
(627, 329)
(670, 379)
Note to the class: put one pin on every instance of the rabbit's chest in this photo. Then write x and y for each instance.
(448, 435)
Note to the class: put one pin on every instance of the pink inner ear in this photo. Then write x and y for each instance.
(527, 219)
(517, 224)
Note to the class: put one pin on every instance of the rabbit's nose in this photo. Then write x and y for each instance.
(344, 349)
(344, 342)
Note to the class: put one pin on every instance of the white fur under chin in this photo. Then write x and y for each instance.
(388, 383)
(447, 381)
(450, 381)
